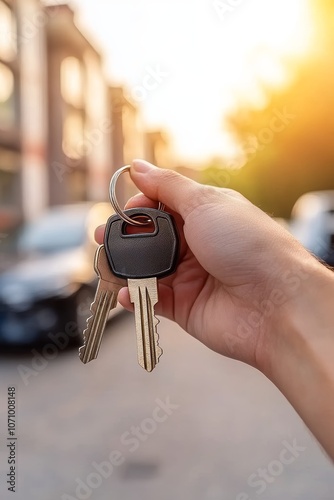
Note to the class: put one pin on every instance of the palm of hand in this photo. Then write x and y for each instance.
(201, 304)
(212, 295)
(216, 295)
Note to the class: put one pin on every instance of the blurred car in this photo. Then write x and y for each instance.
(50, 288)
(312, 223)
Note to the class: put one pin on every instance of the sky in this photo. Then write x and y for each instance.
(188, 63)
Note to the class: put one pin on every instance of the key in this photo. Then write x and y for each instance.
(141, 259)
(144, 296)
(105, 300)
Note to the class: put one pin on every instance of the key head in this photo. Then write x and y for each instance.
(102, 268)
(142, 255)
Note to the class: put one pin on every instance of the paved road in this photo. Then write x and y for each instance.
(200, 427)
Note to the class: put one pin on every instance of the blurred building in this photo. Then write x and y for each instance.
(58, 142)
(79, 152)
(63, 129)
(157, 149)
(23, 115)
(127, 137)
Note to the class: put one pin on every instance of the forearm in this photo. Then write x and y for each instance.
(303, 366)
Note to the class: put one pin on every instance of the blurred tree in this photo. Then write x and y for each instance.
(289, 145)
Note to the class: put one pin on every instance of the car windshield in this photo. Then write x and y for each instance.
(56, 231)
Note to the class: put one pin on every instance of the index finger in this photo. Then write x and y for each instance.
(99, 234)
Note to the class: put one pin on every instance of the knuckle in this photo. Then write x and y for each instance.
(200, 195)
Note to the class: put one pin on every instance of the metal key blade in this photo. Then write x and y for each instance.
(105, 300)
(144, 296)
(141, 258)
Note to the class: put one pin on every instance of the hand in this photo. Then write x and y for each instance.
(247, 289)
(233, 282)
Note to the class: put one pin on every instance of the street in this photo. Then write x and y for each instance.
(199, 427)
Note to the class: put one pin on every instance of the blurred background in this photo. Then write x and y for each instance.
(236, 94)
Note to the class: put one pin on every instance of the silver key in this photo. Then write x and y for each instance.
(105, 300)
(144, 296)
(141, 258)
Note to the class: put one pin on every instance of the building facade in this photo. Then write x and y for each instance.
(63, 130)
(79, 153)
(127, 138)
(23, 116)
(157, 149)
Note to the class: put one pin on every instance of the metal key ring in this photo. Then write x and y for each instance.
(115, 204)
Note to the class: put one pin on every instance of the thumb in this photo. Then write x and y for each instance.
(174, 190)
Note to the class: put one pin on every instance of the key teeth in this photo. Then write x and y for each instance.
(82, 352)
(105, 301)
(84, 335)
(159, 351)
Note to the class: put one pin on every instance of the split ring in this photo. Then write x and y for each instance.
(115, 204)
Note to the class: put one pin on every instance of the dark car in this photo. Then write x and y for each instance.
(50, 288)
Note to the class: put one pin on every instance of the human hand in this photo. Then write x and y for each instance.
(239, 271)
(247, 289)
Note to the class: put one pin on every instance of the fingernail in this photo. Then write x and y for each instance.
(142, 166)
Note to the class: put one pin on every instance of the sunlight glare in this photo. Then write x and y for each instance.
(213, 65)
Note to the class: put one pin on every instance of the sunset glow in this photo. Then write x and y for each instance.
(205, 59)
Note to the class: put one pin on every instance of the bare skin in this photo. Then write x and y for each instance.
(248, 290)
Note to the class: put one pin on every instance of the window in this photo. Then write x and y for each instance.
(73, 135)
(8, 184)
(72, 82)
(9, 177)
(8, 33)
(77, 181)
(7, 97)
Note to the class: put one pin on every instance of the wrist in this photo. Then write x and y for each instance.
(305, 323)
(302, 357)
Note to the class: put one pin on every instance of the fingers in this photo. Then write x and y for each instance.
(99, 234)
(140, 200)
(174, 190)
(180, 194)
(124, 299)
